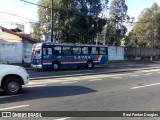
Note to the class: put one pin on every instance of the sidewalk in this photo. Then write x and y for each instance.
(131, 63)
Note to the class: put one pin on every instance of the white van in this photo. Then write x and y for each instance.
(12, 78)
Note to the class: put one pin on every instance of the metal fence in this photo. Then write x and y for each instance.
(141, 53)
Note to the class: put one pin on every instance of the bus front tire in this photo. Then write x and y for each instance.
(56, 66)
(90, 64)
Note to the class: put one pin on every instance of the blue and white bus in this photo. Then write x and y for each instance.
(55, 56)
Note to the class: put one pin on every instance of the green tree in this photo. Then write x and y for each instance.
(37, 33)
(118, 16)
(157, 29)
(142, 31)
(74, 20)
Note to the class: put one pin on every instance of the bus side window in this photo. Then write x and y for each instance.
(85, 51)
(103, 51)
(46, 52)
(67, 50)
(56, 50)
(93, 50)
(76, 50)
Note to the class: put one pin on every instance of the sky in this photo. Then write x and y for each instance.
(26, 10)
(136, 6)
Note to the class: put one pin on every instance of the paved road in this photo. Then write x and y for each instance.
(129, 91)
(40, 74)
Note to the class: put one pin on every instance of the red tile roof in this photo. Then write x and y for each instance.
(25, 37)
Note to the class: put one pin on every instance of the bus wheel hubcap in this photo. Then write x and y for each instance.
(55, 66)
(89, 64)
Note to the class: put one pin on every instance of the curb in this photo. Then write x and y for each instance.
(30, 68)
(121, 71)
(99, 66)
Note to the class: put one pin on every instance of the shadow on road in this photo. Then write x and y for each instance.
(46, 92)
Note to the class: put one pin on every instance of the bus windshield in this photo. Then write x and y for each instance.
(36, 49)
(36, 52)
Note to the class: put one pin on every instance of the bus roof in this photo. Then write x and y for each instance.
(68, 44)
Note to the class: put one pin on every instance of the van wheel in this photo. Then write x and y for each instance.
(56, 66)
(90, 64)
(12, 86)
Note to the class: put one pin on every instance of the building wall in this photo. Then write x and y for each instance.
(11, 52)
(115, 53)
(27, 52)
(29, 27)
(13, 49)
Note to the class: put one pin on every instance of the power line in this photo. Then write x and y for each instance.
(51, 8)
(11, 23)
(4, 20)
(17, 16)
(35, 4)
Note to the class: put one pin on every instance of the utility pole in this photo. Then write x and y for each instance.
(52, 21)
(97, 34)
(152, 38)
(97, 39)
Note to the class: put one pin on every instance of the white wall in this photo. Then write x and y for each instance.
(27, 52)
(115, 53)
(15, 52)
(10, 52)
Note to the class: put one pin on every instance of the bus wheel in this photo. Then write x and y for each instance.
(56, 66)
(90, 64)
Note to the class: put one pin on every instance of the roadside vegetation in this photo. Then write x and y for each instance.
(147, 26)
(83, 21)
